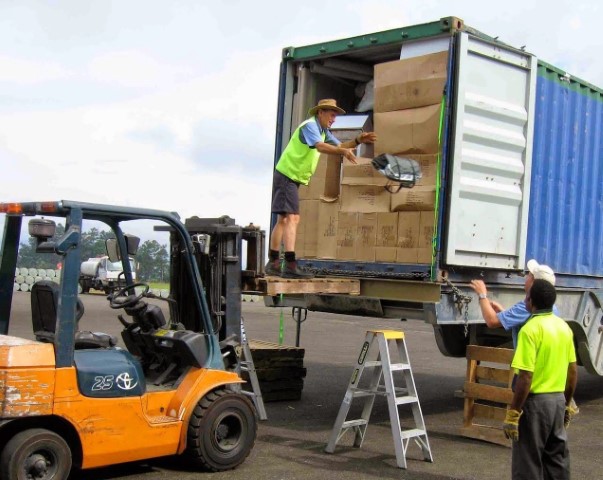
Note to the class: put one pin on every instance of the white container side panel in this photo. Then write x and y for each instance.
(491, 158)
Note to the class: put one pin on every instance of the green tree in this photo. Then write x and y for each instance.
(152, 261)
(93, 243)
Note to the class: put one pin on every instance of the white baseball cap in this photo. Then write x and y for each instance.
(542, 272)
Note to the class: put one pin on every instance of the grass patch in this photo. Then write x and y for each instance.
(159, 286)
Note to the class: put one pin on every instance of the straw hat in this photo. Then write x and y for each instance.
(326, 104)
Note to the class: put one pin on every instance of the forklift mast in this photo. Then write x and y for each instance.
(221, 247)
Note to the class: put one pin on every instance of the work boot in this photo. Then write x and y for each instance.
(292, 270)
(273, 268)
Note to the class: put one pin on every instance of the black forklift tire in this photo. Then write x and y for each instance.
(221, 431)
(36, 453)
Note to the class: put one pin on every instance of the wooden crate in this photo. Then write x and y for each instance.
(487, 393)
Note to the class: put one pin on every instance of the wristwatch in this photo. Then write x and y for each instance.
(482, 296)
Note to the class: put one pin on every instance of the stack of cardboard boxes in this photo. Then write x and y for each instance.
(346, 212)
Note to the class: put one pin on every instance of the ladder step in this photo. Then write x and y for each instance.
(396, 367)
(413, 432)
(357, 393)
(380, 390)
(354, 423)
(406, 399)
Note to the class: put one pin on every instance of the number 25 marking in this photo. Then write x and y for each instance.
(103, 383)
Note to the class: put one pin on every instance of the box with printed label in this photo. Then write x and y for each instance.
(347, 226)
(416, 199)
(366, 237)
(328, 214)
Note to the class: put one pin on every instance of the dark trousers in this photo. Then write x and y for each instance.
(541, 452)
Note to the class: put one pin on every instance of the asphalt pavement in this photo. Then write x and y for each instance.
(290, 444)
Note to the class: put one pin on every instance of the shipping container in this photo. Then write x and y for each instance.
(512, 159)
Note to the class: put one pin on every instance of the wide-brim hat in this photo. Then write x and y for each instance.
(326, 104)
(541, 272)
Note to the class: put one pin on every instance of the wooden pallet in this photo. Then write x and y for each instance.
(277, 285)
(280, 370)
(491, 384)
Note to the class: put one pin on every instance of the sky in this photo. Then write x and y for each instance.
(172, 104)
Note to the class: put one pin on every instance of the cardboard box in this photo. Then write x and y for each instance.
(424, 255)
(366, 237)
(324, 184)
(417, 198)
(328, 214)
(407, 255)
(300, 245)
(387, 230)
(307, 236)
(429, 168)
(408, 131)
(365, 199)
(408, 229)
(347, 226)
(361, 173)
(408, 237)
(426, 229)
(385, 254)
(410, 83)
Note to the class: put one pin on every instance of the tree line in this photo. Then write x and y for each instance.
(152, 262)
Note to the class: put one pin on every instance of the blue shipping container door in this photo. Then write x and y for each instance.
(566, 197)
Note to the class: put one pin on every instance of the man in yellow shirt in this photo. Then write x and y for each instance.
(545, 359)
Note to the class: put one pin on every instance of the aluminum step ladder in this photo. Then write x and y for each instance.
(247, 365)
(381, 382)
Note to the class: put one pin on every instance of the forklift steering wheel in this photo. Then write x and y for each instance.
(120, 300)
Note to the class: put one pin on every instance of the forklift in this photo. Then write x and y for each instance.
(76, 399)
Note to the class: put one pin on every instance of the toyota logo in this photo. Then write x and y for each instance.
(125, 382)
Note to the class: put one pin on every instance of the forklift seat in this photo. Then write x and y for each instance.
(44, 303)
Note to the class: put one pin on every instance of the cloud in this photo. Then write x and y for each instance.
(30, 72)
(132, 68)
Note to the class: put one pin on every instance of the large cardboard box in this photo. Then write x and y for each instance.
(386, 254)
(417, 198)
(365, 199)
(324, 184)
(414, 130)
(327, 229)
(408, 237)
(426, 228)
(410, 83)
(387, 229)
(361, 173)
(426, 231)
(366, 237)
(347, 226)
(408, 229)
(307, 235)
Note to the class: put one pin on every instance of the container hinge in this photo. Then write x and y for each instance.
(462, 302)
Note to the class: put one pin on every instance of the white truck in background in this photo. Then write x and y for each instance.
(102, 274)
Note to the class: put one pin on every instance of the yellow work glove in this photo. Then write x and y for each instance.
(511, 424)
(570, 411)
